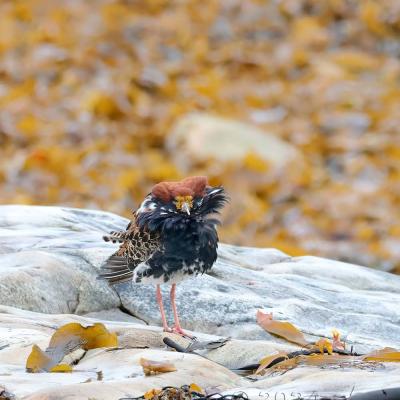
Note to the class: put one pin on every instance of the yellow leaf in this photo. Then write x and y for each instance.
(38, 360)
(151, 367)
(289, 363)
(267, 360)
(387, 354)
(92, 336)
(61, 368)
(370, 15)
(307, 30)
(364, 232)
(286, 247)
(285, 329)
(151, 393)
(65, 340)
(102, 104)
(28, 125)
(394, 230)
(158, 169)
(17, 92)
(195, 388)
(325, 359)
(355, 61)
(113, 14)
(22, 12)
(128, 179)
(324, 344)
(255, 163)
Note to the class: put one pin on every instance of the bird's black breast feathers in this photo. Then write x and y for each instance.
(188, 247)
(163, 245)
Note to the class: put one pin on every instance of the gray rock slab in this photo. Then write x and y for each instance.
(315, 294)
(49, 258)
(112, 374)
(113, 314)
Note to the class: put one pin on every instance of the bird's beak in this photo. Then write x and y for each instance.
(186, 207)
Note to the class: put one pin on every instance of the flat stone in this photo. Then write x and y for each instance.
(115, 373)
(49, 260)
(47, 256)
(200, 137)
(51, 256)
(315, 294)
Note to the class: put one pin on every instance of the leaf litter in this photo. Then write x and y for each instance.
(186, 392)
(322, 353)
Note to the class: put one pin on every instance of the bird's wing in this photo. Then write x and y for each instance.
(136, 247)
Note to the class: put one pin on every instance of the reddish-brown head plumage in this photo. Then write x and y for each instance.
(192, 186)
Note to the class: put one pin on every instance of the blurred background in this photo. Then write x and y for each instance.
(292, 105)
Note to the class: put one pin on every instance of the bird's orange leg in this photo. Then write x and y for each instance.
(162, 312)
(177, 328)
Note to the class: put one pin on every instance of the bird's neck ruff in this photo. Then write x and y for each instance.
(186, 239)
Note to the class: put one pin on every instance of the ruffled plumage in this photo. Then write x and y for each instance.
(163, 244)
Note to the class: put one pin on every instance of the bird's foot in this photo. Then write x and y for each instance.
(179, 331)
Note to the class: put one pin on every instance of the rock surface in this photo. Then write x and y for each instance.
(46, 258)
(113, 374)
(49, 258)
(113, 314)
(202, 137)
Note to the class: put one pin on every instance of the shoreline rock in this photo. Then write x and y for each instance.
(110, 374)
(49, 258)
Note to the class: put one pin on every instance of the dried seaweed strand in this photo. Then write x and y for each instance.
(184, 392)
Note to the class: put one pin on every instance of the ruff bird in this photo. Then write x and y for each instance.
(172, 236)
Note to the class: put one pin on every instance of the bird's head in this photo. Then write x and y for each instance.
(174, 202)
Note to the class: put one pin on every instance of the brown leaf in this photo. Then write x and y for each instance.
(287, 364)
(66, 340)
(285, 329)
(387, 354)
(151, 367)
(267, 360)
(325, 359)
